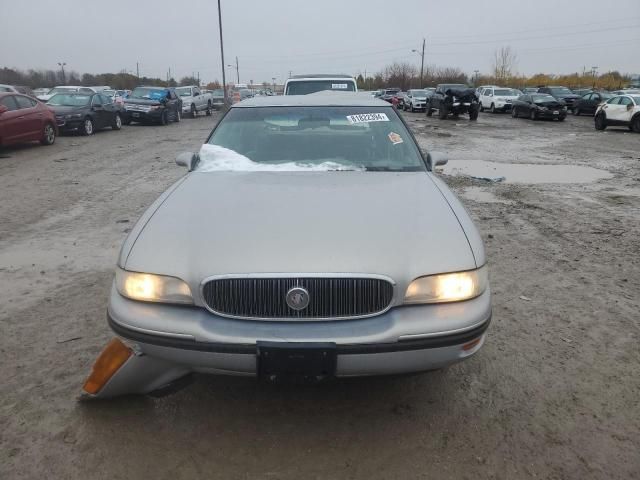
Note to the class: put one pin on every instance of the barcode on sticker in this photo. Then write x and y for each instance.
(339, 86)
(367, 117)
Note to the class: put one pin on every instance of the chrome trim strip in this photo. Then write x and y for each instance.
(417, 336)
(295, 275)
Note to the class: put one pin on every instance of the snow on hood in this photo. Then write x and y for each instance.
(214, 158)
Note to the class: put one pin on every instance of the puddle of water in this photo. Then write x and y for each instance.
(479, 194)
(526, 172)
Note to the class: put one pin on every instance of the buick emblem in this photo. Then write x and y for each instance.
(298, 298)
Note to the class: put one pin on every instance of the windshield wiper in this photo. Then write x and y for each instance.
(389, 169)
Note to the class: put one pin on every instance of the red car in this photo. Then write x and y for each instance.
(24, 119)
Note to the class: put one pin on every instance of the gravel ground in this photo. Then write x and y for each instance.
(554, 393)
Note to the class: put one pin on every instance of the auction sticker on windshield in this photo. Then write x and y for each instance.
(395, 138)
(339, 86)
(367, 117)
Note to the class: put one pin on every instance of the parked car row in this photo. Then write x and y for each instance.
(85, 110)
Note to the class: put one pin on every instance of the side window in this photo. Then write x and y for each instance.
(9, 102)
(196, 91)
(589, 96)
(24, 102)
(106, 100)
(86, 90)
(96, 100)
(614, 101)
(625, 101)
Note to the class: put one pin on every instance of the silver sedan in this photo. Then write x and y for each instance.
(309, 239)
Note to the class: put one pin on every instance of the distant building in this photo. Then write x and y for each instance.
(635, 81)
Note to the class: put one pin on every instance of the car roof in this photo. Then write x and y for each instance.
(319, 99)
(321, 75)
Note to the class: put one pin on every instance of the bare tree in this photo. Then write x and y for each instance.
(400, 74)
(504, 62)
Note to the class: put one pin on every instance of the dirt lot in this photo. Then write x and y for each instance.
(554, 393)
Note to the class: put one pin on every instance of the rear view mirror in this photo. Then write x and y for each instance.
(187, 159)
(437, 159)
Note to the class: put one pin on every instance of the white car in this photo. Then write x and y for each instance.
(306, 84)
(66, 89)
(621, 110)
(8, 88)
(497, 99)
(195, 100)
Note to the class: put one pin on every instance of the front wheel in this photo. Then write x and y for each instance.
(178, 115)
(194, 112)
(473, 113)
(164, 118)
(492, 109)
(514, 114)
(428, 110)
(442, 111)
(533, 115)
(635, 124)
(576, 111)
(117, 122)
(87, 126)
(48, 135)
(600, 121)
(208, 111)
(481, 108)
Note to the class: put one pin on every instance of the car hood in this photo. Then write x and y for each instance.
(65, 110)
(394, 224)
(550, 104)
(567, 95)
(140, 101)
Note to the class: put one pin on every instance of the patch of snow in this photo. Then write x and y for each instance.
(214, 158)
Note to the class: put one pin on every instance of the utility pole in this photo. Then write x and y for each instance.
(476, 76)
(290, 72)
(237, 71)
(169, 79)
(224, 80)
(274, 84)
(64, 78)
(138, 70)
(594, 70)
(198, 78)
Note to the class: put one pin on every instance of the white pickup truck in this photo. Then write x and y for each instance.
(195, 100)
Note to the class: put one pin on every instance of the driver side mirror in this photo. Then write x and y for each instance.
(437, 159)
(188, 159)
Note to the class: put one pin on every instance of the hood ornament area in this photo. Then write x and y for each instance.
(298, 298)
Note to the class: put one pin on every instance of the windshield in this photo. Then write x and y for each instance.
(391, 91)
(53, 91)
(453, 86)
(561, 91)
(69, 100)
(503, 92)
(543, 98)
(419, 93)
(148, 93)
(109, 93)
(217, 93)
(312, 86)
(311, 138)
(184, 91)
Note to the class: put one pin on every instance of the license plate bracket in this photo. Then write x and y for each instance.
(296, 360)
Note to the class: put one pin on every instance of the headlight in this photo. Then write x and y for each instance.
(155, 107)
(448, 287)
(148, 287)
(73, 115)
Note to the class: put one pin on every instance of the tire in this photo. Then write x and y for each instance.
(126, 121)
(561, 119)
(473, 114)
(194, 112)
(164, 118)
(87, 127)
(443, 111)
(48, 135)
(178, 115)
(117, 122)
(481, 108)
(492, 108)
(428, 110)
(635, 124)
(514, 113)
(208, 111)
(533, 115)
(576, 112)
(600, 122)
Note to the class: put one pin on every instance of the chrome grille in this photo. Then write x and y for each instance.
(329, 297)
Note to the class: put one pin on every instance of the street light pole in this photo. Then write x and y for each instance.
(422, 62)
(64, 78)
(224, 80)
(237, 71)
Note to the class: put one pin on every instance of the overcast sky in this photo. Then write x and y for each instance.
(273, 37)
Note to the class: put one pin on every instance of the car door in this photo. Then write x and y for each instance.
(197, 97)
(110, 109)
(10, 125)
(31, 117)
(99, 112)
(624, 112)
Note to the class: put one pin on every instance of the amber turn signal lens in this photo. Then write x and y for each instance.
(472, 344)
(114, 355)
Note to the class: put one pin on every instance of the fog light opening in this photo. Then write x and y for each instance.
(110, 360)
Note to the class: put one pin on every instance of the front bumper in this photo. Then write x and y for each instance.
(68, 125)
(551, 113)
(172, 341)
(139, 116)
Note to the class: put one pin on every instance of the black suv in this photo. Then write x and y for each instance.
(152, 104)
(453, 98)
(562, 94)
